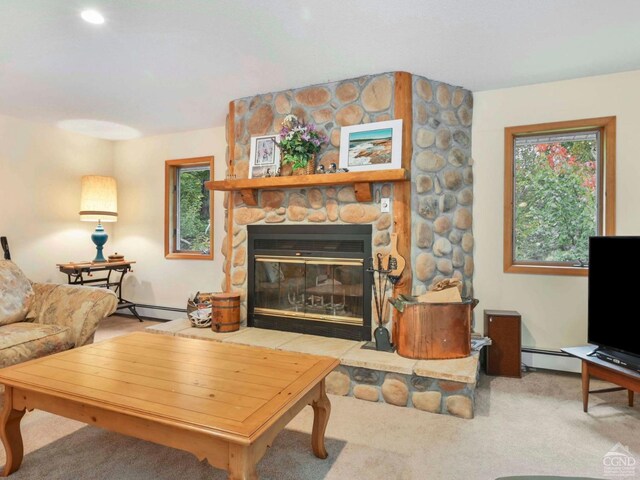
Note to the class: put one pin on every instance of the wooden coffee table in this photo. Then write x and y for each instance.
(222, 402)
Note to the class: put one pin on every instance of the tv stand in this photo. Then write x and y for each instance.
(592, 366)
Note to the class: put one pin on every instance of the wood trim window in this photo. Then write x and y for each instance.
(188, 209)
(559, 189)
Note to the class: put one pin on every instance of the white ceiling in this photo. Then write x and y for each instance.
(162, 66)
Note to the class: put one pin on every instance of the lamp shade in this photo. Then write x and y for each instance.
(99, 199)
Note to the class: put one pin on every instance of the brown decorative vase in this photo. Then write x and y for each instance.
(310, 169)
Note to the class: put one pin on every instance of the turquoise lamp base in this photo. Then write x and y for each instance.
(99, 238)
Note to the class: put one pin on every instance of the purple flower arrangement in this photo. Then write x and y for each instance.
(299, 141)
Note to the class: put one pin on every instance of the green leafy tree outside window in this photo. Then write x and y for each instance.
(193, 210)
(555, 200)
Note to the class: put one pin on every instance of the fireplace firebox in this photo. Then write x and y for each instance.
(310, 279)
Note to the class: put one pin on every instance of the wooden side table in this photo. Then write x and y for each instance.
(81, 273)
(594, 367)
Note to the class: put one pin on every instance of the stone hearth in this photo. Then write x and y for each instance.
(437, 386)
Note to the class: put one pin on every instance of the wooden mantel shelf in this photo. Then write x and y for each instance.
(361, 182)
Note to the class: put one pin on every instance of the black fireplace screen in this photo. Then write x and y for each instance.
(307, 280)
(312, 288)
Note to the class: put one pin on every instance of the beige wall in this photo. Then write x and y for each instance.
(553, 308)
(40, 170)
(139, 169)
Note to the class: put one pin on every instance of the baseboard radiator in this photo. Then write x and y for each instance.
(542, 351)
(158, 308)
(549, 359)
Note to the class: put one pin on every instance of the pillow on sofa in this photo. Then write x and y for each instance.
(16, 293)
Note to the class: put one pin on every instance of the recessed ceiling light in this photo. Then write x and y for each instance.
(92, 16)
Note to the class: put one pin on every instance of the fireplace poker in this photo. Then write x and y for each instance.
(383, 291)
(375, 292)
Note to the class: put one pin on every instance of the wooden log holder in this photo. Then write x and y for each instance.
(430, 331)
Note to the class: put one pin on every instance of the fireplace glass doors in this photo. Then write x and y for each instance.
(310, 279)
(327, 289)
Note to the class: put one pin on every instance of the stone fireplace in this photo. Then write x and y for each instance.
(306, 286)
(431, 212)
(310, 279)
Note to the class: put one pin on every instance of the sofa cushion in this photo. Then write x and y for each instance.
(24, 341)
(78, 307)
(16, 293)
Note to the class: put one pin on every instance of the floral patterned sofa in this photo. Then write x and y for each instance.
(38, 319)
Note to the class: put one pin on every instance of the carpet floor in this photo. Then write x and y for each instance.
(529, 426)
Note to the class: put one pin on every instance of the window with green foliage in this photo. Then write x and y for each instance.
(557, 194)
(189, 209)
(192, 229)
(556, 198)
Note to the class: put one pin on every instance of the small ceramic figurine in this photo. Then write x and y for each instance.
(332, 168)
(320, 169)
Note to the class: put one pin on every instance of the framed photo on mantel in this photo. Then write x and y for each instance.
(371, 146)
(264, 159)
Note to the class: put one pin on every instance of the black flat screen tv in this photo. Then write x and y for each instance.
(613, 290)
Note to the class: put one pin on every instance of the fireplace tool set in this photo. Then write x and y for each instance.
(381, 334)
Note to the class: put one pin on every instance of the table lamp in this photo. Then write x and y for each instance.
(99, 203)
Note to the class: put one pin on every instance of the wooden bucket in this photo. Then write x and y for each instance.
(225, 312)
(431, 331)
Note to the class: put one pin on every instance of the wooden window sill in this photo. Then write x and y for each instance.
(188, 256)
(547, 270)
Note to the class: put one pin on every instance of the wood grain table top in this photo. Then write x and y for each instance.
(87, 266)
(230, 391)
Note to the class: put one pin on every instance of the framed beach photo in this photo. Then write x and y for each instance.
(264, 158)
(371, 146)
